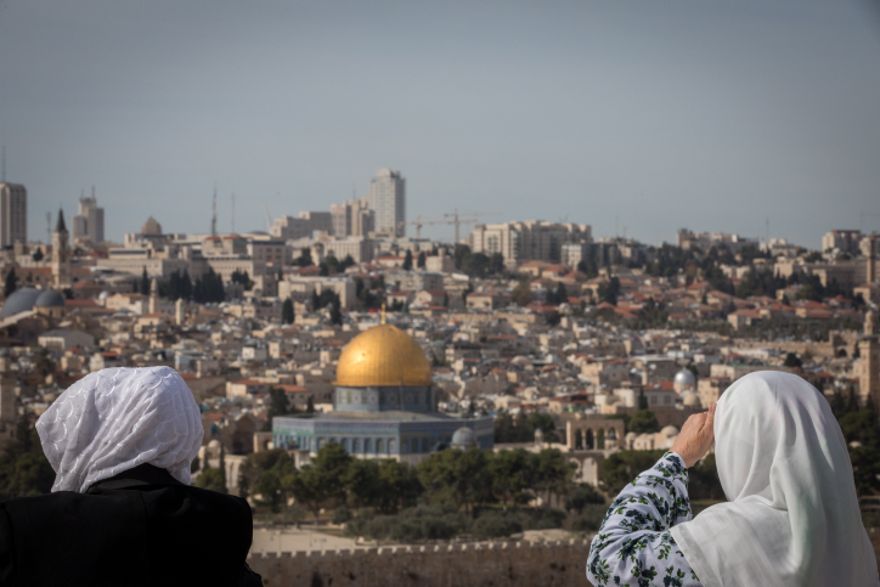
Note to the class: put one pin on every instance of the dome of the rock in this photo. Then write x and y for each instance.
(383, 356)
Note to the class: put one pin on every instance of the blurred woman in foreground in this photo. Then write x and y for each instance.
(121, 511)
(792, 517)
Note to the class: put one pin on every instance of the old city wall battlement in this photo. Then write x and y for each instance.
(500, 564)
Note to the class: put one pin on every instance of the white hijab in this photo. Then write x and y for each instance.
(792, 517)
(116, 419)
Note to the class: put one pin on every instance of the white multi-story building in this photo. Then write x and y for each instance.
(530, 240)
(841, 240)
(387, 199)
(13, 214)
(352, 218)
(302, 225)
(88, 225)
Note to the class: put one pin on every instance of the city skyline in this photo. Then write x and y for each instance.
(636, 119)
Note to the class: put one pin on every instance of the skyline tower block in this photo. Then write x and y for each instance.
(387, 199)
(88, 225)
(13, 214)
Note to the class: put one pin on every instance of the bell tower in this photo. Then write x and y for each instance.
(869, 362)
(60, 253)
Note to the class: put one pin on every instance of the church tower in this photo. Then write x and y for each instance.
(60, 254)
(869, 362)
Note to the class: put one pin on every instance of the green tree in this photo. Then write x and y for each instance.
(522, 293)
(553, 474)
(322, 482)
(211, 478)
(24, 469)
(279, 405)
(145, 282)
(622, 467)
(421, 260)
(267, 477)
(399, 484)
(511, 476)
(408, 261)
(643, 421)
(287, 313)
(11, 283)
(335, 313)
(305, 258)
(582, 496)
(456, 478)
(609, 290)
(38, 255)
(361, 482)
(792, 361)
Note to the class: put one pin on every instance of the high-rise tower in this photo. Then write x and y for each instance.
(13, 214)
(387, 199)
(88, 225)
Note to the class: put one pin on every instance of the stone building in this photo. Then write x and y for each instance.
(869, 362)
(384, 405)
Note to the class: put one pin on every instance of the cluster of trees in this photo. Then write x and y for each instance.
(477, 265)
(207, 289)
(370, 292)
(24, 469)
(10, 283)
(522, 427)
(328, 298)
(558, 295)
(622, 467)
(242, 278)
(331, 265)
(465, 481)
(609, 291)
(305, 258)
(859, 426)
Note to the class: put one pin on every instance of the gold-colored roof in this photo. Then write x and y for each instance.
(383, 356)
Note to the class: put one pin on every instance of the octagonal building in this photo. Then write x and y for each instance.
(384, 405)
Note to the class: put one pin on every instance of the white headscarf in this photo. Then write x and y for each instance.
(116, 419)
(792, 517)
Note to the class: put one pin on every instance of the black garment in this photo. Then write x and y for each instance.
(140, 528)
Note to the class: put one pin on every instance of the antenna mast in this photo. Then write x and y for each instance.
(214, 213)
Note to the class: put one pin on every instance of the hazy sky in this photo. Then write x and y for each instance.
(643, 116)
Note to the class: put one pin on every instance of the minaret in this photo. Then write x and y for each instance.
(60, 254)
(869, 362)
(154, 297)
(179, 311)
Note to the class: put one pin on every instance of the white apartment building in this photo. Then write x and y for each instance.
(88, 225)
(387, 199)
(531, 240)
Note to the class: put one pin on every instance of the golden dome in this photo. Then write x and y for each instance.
(383, 356)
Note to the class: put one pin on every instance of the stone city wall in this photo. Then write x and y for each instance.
(499, 564)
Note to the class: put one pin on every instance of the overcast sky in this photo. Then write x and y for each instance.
(635, 116)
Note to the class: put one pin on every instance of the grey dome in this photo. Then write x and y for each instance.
(464, 438)
(49, 298)
(21, 300)
(684, 379)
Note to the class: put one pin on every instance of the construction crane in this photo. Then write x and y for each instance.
(419, 222)
(457, 219)
(454, 218)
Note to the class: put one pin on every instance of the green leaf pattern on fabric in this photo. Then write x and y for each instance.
(634, 545)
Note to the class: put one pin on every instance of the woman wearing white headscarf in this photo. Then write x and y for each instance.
(121, 511)
(792, 517)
